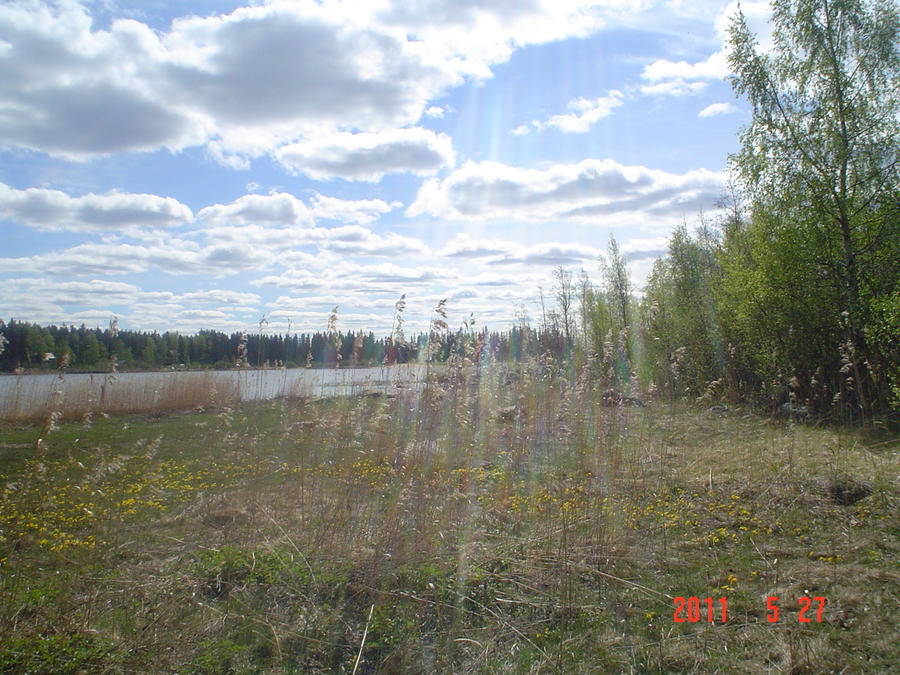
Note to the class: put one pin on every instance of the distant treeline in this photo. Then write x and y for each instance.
(32, 347)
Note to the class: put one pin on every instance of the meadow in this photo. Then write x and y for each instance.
(497, 519)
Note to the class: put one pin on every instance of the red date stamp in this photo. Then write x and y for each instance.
(713, 610)
(690, 609)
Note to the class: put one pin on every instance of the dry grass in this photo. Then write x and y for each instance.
(497, 521)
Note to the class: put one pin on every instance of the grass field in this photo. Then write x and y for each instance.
(497, 521)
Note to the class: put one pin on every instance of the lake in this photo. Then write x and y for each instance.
(78, 394)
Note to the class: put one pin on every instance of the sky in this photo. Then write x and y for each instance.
(191, 164)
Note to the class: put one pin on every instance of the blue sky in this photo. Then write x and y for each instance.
(188, 165)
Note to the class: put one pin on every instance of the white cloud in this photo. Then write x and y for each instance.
(584, 113)
(498, 252)
(642, 247)
(279, 207)
(95, 301)
(681, 78)
(356, 240)
(55, 210)
(71, 293)
(383, 278)
(717, 109)
(549, 254)
(669, 78)
(75, 92)
(713, 68)
(224, 259)
(255, 79)
(87, 259)
(464, 246)
(369, 156)
(302, 65)
(217, 296)
(299, 67)
(586, 191)
(359, 211)
(219, 258)
(283, 209)
(473, 34)
(435, 111)
(280, 244)
(676, 86)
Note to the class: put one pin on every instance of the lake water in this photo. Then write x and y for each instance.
(33, 396)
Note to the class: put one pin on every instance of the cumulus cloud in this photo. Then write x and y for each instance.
(674, 86)
(713, 68)
(669, 78)
(303, 61)
(75, 91)
(549, 254)
(216, 296)
(55, 210)
(681, 78)
(576, 192)
(94, 301)
(353, 239)
(359, 211)
(87, 259)
(280, 244)
(369, 156)
(278, 207)
(476, 34)
(383, 278)
(583, 113)
(71, 293)
(283, 209)
(225, 259)
(717, 109)
(174, 257)
(464, 246)
(255, 79)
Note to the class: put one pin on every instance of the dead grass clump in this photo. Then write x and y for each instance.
(848, 491)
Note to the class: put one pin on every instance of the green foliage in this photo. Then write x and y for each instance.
(681, 321)
(222, 656)
(596, 315)
(886, 337)
(778, 306)
(230, 566)
(618, 286)
(77, 653)
(819, 163)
